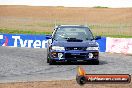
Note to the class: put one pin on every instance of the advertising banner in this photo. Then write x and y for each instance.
(23, 40)
(119, 45)
(35, 41)
(102, 44)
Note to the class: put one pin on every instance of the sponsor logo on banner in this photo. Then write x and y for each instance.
(30, 41)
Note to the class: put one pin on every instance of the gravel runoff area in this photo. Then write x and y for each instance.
(61, 84)
(27, 68)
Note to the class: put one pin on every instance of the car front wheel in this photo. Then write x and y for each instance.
(52, 62)
(48, 58)
(95, 62)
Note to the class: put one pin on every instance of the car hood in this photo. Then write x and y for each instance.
(75, 44)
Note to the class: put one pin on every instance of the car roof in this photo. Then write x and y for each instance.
(71, 26)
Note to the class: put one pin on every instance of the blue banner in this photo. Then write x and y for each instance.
(35, 41)
(102, 44)
(23, 40)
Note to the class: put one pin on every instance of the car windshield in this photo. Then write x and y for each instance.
(73, 33)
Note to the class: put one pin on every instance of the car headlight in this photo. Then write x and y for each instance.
(57, 48)
(92, 48)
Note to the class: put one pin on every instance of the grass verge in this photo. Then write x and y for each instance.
(14, 31)
(115, 36)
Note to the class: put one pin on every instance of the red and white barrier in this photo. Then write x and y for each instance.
(119, 45)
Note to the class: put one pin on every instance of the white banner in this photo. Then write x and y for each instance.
(1, 36)
(119, 45)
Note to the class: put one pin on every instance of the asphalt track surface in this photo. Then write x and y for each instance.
(29, 64)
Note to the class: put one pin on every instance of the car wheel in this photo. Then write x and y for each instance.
(48, 58)
(51, 62)
(95, 62)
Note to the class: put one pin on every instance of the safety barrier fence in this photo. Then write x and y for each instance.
(106, 44)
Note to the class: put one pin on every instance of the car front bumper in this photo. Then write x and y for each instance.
(74, 55)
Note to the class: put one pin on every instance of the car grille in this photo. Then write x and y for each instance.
(75, 48)
(81, 55)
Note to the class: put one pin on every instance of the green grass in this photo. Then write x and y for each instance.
(13, 31)
(100, 7)
(114, 36)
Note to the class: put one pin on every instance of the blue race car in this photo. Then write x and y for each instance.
(72, 43)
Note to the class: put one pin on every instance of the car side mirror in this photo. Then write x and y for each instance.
(48, 36)
(97, 37)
